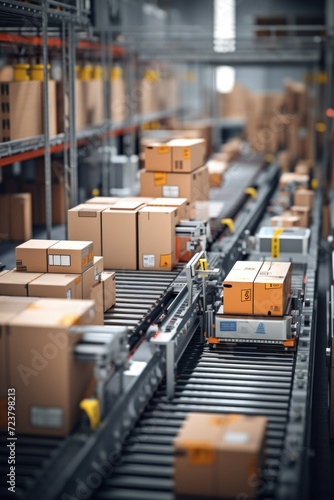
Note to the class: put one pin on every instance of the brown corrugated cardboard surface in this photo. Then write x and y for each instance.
(5, 217)
(239, 287)
(32, 255)
(120, 235)
(16, 283)
(85, 223)
(187, 154)
(108, 279)
(303, 213)
(304, 198)
(193, 186)
(70, 257)
(158, 157)
(181, 204)
(119, 109)
(217, 455)
(272, 289)
(52, 108)
(88, 281)
(156, 227)
(49, 382)
(103, 200)
(96, 295)
(285, 221)
(56, 286)
(21, 217)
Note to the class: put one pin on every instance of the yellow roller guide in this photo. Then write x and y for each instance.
(275, 243)
(92, 409)
(252, 191)
(229, 223)
(320, 127)
(314, 184)
(269, 158)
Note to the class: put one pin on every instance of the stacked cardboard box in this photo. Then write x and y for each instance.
(37, 359)
(16, 217)
(234, 103)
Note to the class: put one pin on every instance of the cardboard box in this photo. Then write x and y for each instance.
(21, 217)
(285, 221)
(158, 157)
(88, 281)
(70, 257)
(182, 205)
(304, 198)
(120, 235)
(216, 455)
(92, 91)
(103, 200)
(32, 255)
(119, 109)
(217, 170)
(193, 186)
(157, 238)
(239, 287)
(303, 167)
(108, 279)
(303, 213)
(52, 108)
(5, 217)
(96, 295)
(293, 178)
(85, 223)
(56, 286)
(16, 283)
(49, 382)
(6, 73)
(98, 264)
(272, 289)
(234, 103)
(187, 154)
(284, 161)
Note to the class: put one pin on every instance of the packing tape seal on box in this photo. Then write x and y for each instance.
(275, 243)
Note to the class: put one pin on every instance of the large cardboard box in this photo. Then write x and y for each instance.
(103, 200)
(21, 110)
(157, 238)
(272, 289)
(194, 186)
(16, 283)
(119, 110)
(219, 455)
(234, 103)
(96, 295)
(49, 382)
(182, 205)
(285, 221)
(303, 213)
(108, 279)
(85, 223)
(52, 108)
(158, 157)
(56, 286)
(5, 217)
(292, 178)
(32, 255)
(120, 235)
(187, 154)
(239, 287)
(70, 257)
(21, 217)
(303, 198)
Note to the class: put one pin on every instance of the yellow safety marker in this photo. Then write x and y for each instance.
(314, 184)
(229, 223)
(92, 409)
(275, 243)
(95, 192)
(320, 127)
(322, 77)
(269, 158)
(252, 192)
(203, 264)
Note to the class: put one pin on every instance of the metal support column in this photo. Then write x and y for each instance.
(107, 97)
(47, 154)
(65, 91)
(73, 154)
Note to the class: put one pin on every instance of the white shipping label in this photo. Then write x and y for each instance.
(170, 191)
(46, 417)
(236, 437)
(148, 260)
(56, 260)
(65, 260)
(50, 260)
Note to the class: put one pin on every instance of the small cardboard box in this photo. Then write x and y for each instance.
(56, 286)
(103, 200)
(193, 186)
(70, 257)
(96, 295)
(292, 178)
(187, 154)
(21, 217)
(109, 289)
(85, 223)
(49, 382)
(98, 264)
(5, 217)
(157, 238)
(304, 198)
(285, 221)
(158, 157)
(182, 205)
(303, 167)
(303, 213)
(272, 289)
(16, 283)
(216, 455)
(32, 255)
(88, 281)
(120, 235)
(239, 287)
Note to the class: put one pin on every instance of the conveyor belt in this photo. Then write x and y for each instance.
(222, 380)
